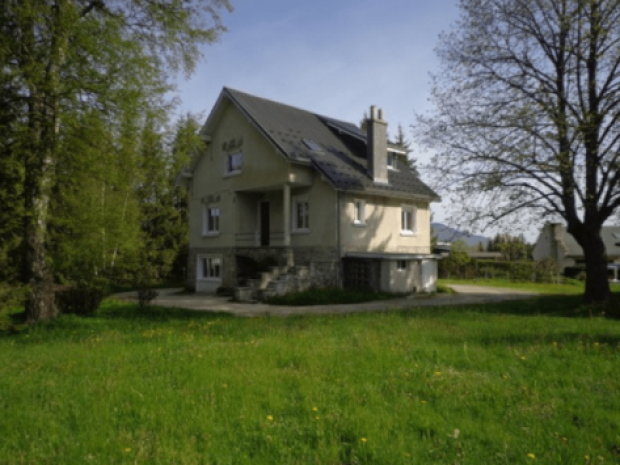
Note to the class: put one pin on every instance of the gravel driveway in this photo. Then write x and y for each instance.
(176, 298)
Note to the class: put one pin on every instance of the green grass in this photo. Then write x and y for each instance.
(471, 385)
(574, 287)
(329, 296)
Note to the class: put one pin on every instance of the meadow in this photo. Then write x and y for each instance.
(533, 381)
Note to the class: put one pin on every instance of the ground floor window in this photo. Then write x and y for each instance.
(301, 215)
(209, 267)
(402, 265)
(210, 220)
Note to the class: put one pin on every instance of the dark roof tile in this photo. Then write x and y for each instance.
(343, 158)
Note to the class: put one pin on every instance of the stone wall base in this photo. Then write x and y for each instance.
(322, 262)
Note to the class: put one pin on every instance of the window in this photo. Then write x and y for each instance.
(402, 265)
(209, 267)
(359, 212)
(211, 220)
(407, 220)
(301, 216)
(390, 160)
(233, 162)
(313, 145)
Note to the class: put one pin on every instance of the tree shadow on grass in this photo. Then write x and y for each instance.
(111, 316)
(565, 306)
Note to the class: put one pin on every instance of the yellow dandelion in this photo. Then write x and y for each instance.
(437, 373)
(522, 357)
(128, 449)
(315, 409)
(531, 456)
(424, 402)
(364, 440)
(587, 457)
(316, 418)
(269, 417)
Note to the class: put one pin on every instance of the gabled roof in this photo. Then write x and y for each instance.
(335, 148)
(609, 234)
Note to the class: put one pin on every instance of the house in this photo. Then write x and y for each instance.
(556, 243)
(327, 203)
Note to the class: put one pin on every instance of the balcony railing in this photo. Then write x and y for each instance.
(252, 239)
(417, 250)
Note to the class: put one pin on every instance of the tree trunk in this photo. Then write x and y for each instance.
(39, 178)
(40, 303)
(597, 284)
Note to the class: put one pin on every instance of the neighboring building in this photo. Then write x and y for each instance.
(556, 243)
(309, 192)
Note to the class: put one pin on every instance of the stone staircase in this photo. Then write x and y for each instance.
(279, 280)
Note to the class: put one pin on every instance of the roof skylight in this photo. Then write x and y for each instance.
(313, 145)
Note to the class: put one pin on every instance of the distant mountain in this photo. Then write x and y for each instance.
(447, 234)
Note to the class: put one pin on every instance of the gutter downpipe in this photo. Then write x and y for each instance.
(338, 238)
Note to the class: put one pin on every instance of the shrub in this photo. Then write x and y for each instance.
(329, 296)
(12, 296)
(443, 289)
(82, 298)
(145, 296)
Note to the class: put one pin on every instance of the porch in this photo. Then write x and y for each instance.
(268, 217)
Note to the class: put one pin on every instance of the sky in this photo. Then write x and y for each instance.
(332, 57)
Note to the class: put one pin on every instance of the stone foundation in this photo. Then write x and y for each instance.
(322, 262)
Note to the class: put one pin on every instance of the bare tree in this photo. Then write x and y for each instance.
(526, 119)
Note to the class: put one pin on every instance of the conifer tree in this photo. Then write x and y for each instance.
(63, 59)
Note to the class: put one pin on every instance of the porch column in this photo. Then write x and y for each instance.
(286, 215)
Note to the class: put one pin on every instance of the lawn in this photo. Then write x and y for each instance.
(573, 288)
(518, 382)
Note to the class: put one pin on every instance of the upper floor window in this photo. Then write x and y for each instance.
(233, 162)
(301, 215)
(211, 220)
(407, 220)
(359, 211)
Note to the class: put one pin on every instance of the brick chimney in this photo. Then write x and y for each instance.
(376, 131)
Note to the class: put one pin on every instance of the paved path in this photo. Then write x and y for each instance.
(175, 298)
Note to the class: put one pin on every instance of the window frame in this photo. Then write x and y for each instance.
(231, 169)
(204, 265)
(402, 268)
(304, 228)
(409, 210)
(361, 219)
(209, 229)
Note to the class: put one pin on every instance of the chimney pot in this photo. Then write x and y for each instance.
(380, 115)
(372, 112)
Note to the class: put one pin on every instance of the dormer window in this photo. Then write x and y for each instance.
(391, 160)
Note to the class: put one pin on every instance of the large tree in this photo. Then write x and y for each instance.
(526, 119)
(62, 59)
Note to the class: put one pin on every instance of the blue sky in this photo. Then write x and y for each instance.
(333, 57)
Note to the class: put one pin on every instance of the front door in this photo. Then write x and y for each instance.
(264, 223)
